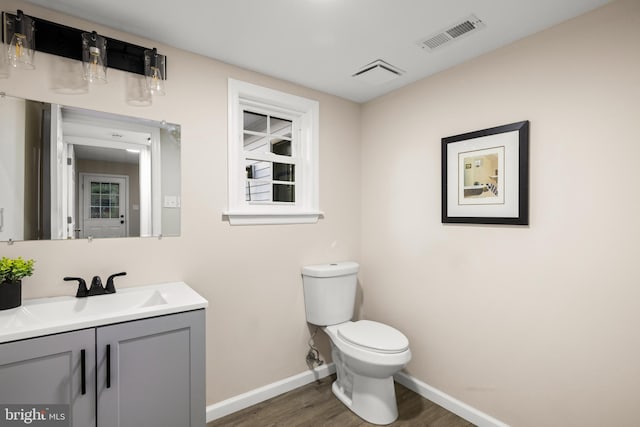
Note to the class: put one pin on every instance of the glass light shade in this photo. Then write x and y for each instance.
(155, 71)
(21, 48)
(94, 57)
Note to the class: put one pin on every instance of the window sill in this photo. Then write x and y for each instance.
(259, 218)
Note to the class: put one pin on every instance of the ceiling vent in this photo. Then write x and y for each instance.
(462, 28)
(378, 72)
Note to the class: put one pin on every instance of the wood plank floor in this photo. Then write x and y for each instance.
(314, 405)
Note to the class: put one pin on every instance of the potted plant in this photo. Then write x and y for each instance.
(11, 273)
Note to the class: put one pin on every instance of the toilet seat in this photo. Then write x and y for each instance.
(374, 336)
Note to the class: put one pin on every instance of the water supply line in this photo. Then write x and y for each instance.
(313, 356)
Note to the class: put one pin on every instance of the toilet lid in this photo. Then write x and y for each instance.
(374, 336)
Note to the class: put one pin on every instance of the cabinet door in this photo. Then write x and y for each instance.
(49, 371)
(151, 373)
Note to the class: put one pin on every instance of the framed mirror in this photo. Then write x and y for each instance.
(71, 173)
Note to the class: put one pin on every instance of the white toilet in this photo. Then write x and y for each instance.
(366, 353)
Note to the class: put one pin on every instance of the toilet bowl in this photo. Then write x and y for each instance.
(365, 365)
(366, 353)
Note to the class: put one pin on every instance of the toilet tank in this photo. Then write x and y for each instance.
(330, 292)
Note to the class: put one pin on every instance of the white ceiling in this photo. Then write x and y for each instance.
(322, 43)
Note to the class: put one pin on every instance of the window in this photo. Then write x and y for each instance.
(271, 177)
(105, 200)
(273, 156)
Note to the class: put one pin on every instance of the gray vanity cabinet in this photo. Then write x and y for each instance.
(156, 372)
(142, 373)
(48, 371)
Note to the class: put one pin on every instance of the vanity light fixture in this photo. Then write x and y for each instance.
(155, 71)
(20, 30)
(94, 57)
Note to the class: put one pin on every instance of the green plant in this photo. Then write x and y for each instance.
(15, 269)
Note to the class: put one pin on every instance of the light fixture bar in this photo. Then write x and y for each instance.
(60, 40)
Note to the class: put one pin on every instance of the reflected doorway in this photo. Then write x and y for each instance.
(104, 201)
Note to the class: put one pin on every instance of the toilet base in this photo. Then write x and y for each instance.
(372, 399)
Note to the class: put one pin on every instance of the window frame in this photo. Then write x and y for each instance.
(305, 117)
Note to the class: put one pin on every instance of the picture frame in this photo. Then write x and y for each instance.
(485, 176)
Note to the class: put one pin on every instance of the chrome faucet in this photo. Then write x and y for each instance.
(96, 285)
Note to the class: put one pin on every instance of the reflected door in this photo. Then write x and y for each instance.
(104, 206)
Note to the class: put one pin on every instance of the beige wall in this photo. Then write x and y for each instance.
(537, 325)
(256, 329)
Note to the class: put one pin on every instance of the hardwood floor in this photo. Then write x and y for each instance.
(314, 405)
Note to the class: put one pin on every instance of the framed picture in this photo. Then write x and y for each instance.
(485, 176)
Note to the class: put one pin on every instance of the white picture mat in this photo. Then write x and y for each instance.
(511, 184)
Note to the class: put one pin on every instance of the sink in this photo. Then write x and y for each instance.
(44, 316)
(95, 306)
(16, 318)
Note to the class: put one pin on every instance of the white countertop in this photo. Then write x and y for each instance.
(44, 316)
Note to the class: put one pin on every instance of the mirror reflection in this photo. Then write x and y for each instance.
(70, 173)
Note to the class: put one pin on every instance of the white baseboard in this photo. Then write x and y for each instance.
(241, 401)
(450, 403)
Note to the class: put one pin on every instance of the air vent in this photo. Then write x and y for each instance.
(453, 32)
(378, 72)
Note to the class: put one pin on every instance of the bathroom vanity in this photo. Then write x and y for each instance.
(134, 358)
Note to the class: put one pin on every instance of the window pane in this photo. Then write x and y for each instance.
(105, 213)
(95, 187)
(105, 201)
(283, 172)
(255, 142)
(115, 212)
(258, 191)
(95, 200)
(104, 188)
(257, 169)
(284, 193)
(95, 212)
(281, 147)
(254, 122)
(280, 127)
(115, 188)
